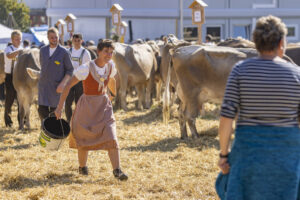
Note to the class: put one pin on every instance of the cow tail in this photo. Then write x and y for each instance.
(166, 96)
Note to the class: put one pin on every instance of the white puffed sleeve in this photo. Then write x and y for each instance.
(113, 69)
(82, 72)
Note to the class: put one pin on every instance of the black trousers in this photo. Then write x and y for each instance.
(2, 94)
(74, 94)
(10, 96)
(45, 111)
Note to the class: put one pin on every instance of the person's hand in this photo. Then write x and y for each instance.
(110, 97)
(60, 88)
(58, 112)
(223, 165)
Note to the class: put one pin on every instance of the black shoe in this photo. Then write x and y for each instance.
(120, 175)
(83, 170)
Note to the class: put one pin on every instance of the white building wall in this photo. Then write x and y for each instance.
(151, 28)
(92, 28)
(36, 3)
(150, 19)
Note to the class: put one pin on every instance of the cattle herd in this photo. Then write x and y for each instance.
(192, 74)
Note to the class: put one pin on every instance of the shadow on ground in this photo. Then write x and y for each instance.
(206, 140)
(153, 115)
(50, 179)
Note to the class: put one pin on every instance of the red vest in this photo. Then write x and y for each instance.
(90, 85)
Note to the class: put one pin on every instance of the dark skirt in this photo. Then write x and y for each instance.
(264, 165)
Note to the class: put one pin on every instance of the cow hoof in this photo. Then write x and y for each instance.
(195, 136)
(8, 124)
(183, 137)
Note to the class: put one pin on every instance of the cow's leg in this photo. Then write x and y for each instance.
(141, 94)
(191, 115)
(21, 116)
(173, 95)
(148, 93)
(23, 102)
(27, 111)
(27, 106)
(182, 122)
(123, 88)
(158, 89)
(192, 125)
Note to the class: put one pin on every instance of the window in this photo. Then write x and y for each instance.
(292, 32)
(242, 31)
(214, 31)
(190, 33)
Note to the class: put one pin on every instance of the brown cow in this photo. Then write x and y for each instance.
(25, 86)
(237, 43)
(292, 53)
(136, 65)
(170, 43)
(202, 73)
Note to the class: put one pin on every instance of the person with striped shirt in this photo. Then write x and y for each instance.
(264, 92)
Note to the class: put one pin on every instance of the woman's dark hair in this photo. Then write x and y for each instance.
(268, 33)
(77, 35)
(105, 43)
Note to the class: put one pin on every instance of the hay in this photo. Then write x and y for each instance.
(159, 164)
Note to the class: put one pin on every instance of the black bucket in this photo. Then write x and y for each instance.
(53, 133)
(56, 129)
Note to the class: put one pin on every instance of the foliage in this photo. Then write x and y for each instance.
(20, 13)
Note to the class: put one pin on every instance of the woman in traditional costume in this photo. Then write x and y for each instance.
(264, 162)
(93, 124)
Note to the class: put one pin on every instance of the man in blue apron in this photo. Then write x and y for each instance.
(56, 70)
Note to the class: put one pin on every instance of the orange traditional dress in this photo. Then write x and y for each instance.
(93, 124)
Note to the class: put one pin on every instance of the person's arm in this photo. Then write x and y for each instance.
(68, 72)
(225, 130)
(229, 110)
(13, 54)
(63, 83)
(73, 81)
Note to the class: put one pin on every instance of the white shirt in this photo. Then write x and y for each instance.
(7, 61)
(75, 55)
(83, 71)
(51, 51)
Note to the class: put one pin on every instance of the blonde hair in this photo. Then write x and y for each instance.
(268, 33)
(52, 30)
(15, 32)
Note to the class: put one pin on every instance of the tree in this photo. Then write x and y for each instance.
(20, 12)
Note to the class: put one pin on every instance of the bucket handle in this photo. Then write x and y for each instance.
(62, 128)
(63, 131)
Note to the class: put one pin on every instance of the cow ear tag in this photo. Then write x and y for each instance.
(57, 62)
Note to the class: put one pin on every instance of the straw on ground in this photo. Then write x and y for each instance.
(159, 164)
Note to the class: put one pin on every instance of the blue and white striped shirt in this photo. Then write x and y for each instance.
(263, 92)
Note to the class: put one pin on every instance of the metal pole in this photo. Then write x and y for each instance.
(48, 17)
(181, 19)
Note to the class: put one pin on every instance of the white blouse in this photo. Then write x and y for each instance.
(83, 71)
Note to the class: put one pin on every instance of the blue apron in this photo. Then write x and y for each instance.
(264, 165)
